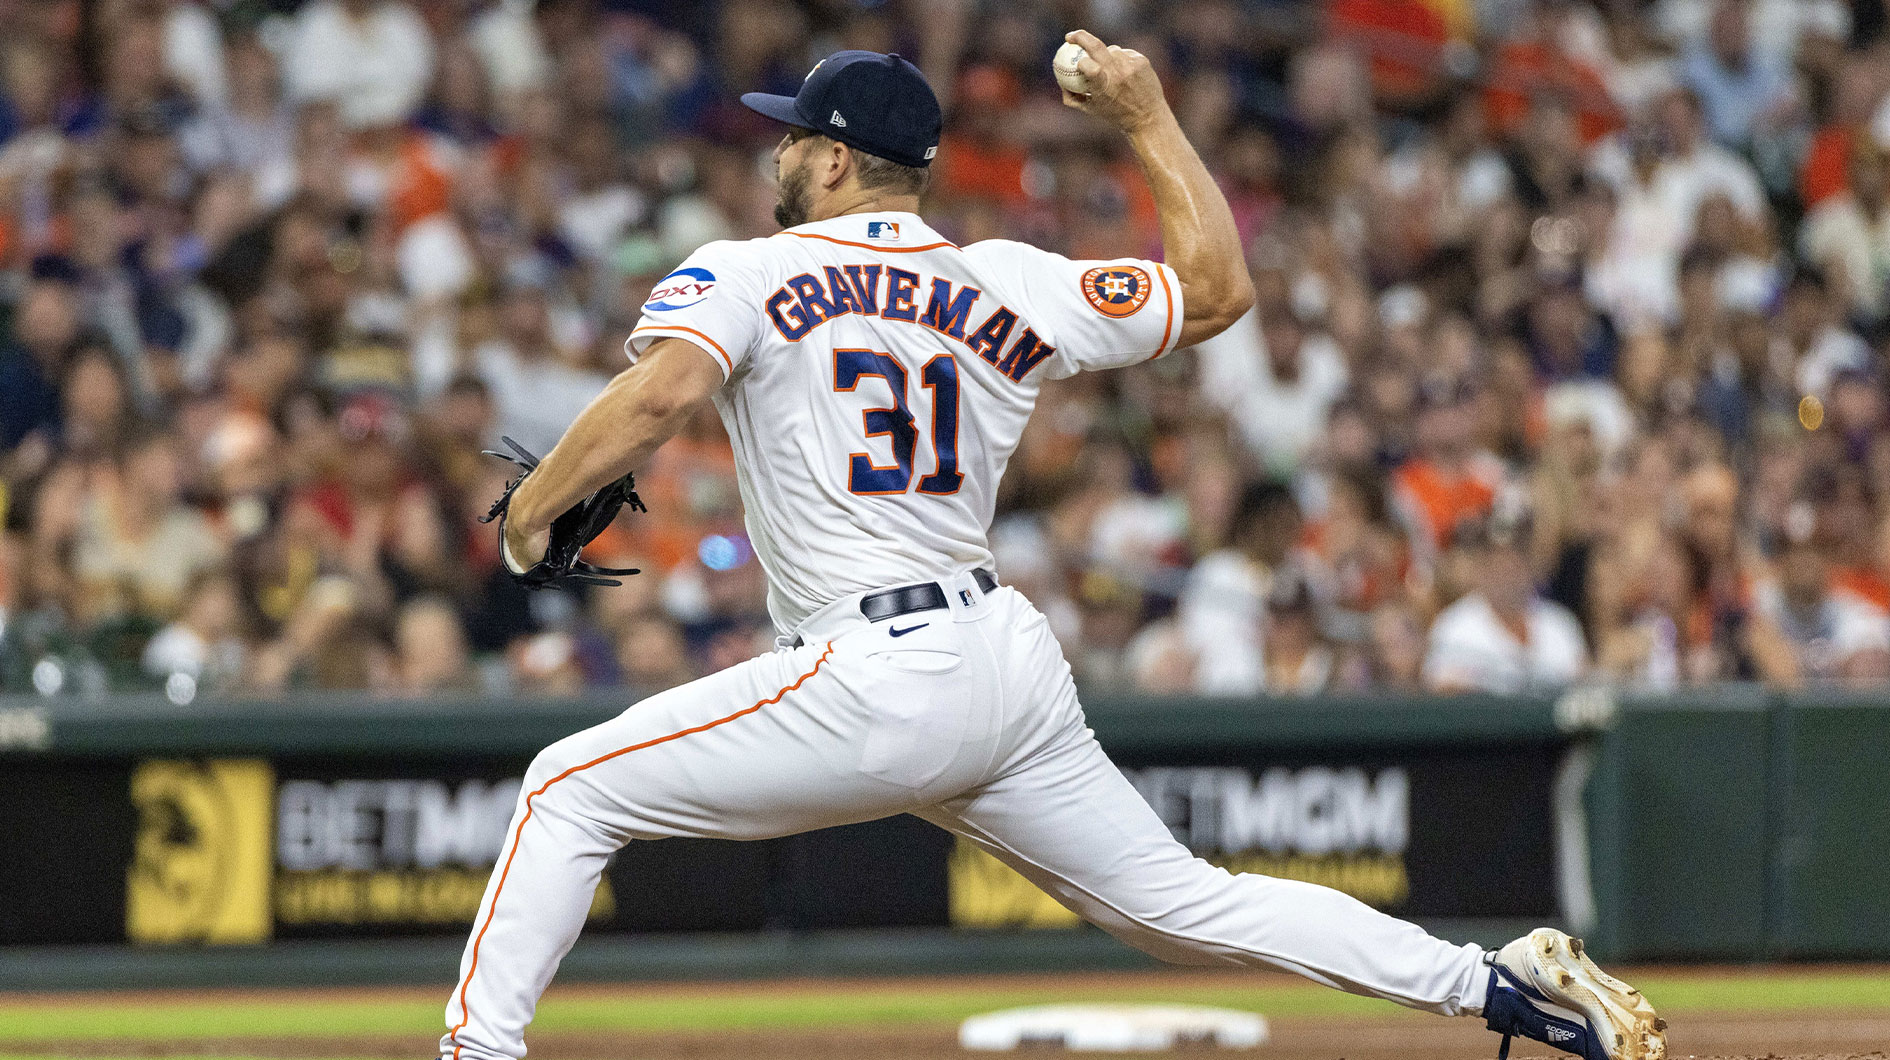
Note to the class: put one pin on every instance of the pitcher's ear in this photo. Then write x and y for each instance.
(841, 160)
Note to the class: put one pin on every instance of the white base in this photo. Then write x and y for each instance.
(1112, 1028)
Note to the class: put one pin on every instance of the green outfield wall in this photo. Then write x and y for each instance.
(1735, 824)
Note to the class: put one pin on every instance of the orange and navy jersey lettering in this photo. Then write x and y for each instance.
(805, 302)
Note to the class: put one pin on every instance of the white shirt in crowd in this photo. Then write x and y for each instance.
(1837, 232)
(193, 52)
(1826, 639)
(1637, 275)
(1279, 421)
(1776, 25)
(509, 45)
(1221, 614)
(376, 68)
(536, 400)
(1472, 650)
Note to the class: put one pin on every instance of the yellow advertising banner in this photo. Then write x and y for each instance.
(200, 869)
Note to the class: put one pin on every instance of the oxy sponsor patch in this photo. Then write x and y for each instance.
(681, 289)
(1116, 290)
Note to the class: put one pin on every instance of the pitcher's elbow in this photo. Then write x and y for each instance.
(1224, 308)
(1240, 300)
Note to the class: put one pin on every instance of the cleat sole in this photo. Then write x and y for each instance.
(1638, 1033)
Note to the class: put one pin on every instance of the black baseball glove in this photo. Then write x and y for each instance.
(570, 532)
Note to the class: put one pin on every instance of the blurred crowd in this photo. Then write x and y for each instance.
(1568, 363)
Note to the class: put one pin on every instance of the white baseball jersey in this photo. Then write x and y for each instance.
(879, 378)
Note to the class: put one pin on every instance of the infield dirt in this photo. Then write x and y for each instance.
(1390, 1034)
(1822, 1037)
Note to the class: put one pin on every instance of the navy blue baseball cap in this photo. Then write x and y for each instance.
(880, 104)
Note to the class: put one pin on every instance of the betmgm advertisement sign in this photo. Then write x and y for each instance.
(1346, 828)
(235, 851)
(1489, 832)
(243, 850)
(227, 852)
(355, 852)
(200, 863)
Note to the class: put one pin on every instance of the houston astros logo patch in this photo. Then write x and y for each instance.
(1116, 290)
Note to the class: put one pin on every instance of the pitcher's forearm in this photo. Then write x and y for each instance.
(618, 432)
(1199, 239)
(611, 438)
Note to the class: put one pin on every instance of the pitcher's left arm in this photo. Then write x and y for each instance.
(616, 433)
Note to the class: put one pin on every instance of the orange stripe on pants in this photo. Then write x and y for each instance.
(518, 833)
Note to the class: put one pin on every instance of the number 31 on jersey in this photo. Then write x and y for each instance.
(896, 423)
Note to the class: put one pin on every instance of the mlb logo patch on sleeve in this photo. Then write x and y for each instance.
(882, 230)
(681, 289)
(1116, 290)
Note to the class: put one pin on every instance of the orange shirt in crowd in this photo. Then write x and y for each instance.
(1826, 169)
(1865, 583)
(977, 169)
(1402, 40)
(1440, 500)
(420, 187)
(1524, 69)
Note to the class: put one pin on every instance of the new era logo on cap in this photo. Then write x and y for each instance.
(837, 121)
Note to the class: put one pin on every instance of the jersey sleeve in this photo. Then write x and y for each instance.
(712, 300)
(1106, 314)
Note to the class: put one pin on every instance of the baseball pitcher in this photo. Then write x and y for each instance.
(874, 379)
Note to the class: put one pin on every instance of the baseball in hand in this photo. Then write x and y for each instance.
(1064, 64)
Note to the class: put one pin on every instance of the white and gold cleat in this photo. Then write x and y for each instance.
(1544, 988)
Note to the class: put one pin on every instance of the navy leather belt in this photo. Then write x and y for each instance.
(909, 599)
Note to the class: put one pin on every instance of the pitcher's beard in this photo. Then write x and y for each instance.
(791, 207)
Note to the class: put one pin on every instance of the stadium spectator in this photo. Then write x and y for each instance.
(1502, 637)
(136, 546)
(1300, 661)
(1448, 481)
(44, 327)
(1641, 644)
(205, 643)
(430, 655)
(653, 654)
(1848, 235)
(1836, 637)
(373, 58)
(1741, 88)
(1277, 383)
(1223, 606)
(535, 386)
(1394, 659)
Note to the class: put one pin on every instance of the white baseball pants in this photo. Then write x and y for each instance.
(969, 720)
